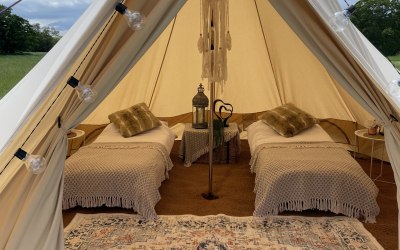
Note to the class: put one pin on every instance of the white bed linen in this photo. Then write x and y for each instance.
(259, 133)
(162, 134)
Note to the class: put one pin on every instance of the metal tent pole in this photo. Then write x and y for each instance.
(210, 195)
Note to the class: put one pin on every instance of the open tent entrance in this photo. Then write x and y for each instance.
(268, 65)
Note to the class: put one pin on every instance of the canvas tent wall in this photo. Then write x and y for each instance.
(31, 205)
(268, 64)
(272, 69)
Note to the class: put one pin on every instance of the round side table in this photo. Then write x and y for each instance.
(76, 139)
(363, 133)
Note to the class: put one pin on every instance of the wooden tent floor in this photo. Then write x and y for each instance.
(234, 183)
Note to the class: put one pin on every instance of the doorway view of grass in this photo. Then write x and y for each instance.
(14, 67)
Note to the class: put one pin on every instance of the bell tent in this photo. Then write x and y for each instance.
(282, 51)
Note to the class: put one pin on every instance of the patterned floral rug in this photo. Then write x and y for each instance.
(127, 231)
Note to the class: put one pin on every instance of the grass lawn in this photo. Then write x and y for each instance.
(395, 60)
(14, 67)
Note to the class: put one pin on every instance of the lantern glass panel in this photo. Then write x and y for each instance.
(200, 117)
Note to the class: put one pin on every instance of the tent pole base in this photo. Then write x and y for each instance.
(209, 196)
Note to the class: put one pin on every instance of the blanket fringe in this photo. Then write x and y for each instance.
(109, 202)
(97, 202)
(320, 204)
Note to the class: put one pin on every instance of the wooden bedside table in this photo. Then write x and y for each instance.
(76, 139)
(194, 145)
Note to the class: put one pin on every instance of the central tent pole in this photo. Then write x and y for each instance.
(210, 195)
(213, 43)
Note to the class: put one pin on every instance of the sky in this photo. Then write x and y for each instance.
(62, 14)
(59, 14)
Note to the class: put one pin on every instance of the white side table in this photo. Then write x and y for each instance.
(363, 133)
(76, 139)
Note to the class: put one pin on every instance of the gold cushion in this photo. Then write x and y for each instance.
(288, 120)
(134, 120)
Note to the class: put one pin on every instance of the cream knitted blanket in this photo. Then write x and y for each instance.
(300, 176)
(125, 175)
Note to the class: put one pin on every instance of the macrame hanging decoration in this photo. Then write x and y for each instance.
(214, 40)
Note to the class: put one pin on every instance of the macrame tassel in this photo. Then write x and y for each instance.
(219, 66)
(228, 40)
(200, 44)
(206, 65)
(214, 24)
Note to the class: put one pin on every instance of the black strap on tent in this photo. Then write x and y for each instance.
(59, 122)
(393, 118)
(162, 62)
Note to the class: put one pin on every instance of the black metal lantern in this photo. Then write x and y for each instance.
(200, 108)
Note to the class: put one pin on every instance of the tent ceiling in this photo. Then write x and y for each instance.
(267, 66)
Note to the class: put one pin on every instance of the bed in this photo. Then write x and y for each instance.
(307, 171)
(119, 172)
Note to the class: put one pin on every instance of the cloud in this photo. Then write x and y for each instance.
(343, 3)
(62, 14)
(59, 14)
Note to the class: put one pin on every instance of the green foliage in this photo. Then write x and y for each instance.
(18, 35)
(379, 21)
(14, 67)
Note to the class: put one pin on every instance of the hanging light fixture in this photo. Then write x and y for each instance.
(85, 92)
(35, 164)
(341, 19)
(135, 18)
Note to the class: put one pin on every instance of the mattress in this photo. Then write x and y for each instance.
(162, 134)
(259, 133)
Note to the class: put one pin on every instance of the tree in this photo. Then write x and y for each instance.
(18, 35)
(45, 38)
(14, 32)
(379, 21)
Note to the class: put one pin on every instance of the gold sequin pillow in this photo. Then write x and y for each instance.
(288, 120)
(134, 120)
